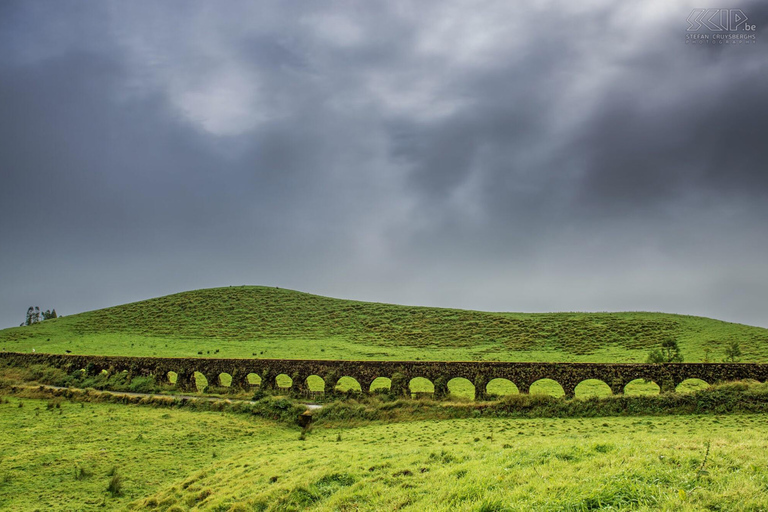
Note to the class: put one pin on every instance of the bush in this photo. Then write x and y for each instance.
(399, 385)
(81, 473)
(721, 399)
(668, 353)
(733, 352)
(142, 385)
(115, 487)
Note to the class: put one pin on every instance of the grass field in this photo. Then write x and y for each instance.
(63, 457)
(44, 449)
(277, 323)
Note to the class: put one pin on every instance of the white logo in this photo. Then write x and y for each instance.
(719, 20)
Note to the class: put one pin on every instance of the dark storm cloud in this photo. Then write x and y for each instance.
(706, 141)
(510, 158)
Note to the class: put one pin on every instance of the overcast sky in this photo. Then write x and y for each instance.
(495, 155)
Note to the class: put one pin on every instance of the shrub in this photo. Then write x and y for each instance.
(81, 473)
(399, 385)
(733, 351)
(142, 385)
(115, 487)
(669, 353)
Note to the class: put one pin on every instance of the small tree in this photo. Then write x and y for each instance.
(668, 353)
(733, 352)
(655, 357)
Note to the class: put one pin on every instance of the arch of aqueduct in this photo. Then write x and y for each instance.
(568, 375)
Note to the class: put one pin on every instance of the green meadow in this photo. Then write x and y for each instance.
(61, 455)
(377, 453)
(252, 321)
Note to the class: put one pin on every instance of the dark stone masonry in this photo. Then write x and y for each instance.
(568, 375)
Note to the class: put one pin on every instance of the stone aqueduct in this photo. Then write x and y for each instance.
(568, 375)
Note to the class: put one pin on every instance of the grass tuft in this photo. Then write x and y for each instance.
(115, 486)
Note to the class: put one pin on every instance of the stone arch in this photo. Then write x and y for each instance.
(331, 378)
(283, 381)
(547, 386)
(91, 369)
(380, 385)
(399, 384)
(239, 380)
(314, 384)
(267, 377)
(297, 381)
(592, 387)
(224, 380)
(501, 387)
(185, 380)
(171, 377)
(691, 385)
(254, 379)
(347, 384)
(441, 386)
(420, 386)
(459, 387)
(641, 387)
(200, 381)
(480, 383)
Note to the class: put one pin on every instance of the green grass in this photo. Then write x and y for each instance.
(61, 455)
(265, 322)
(64, 458)
(472, 465)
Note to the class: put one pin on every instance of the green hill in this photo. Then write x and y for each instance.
(253, 321)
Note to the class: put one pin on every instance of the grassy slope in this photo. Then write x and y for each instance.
(42, 449)
(277, 323)
(166, 458)
(499, 465)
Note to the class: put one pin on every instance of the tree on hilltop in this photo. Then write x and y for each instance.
(34, 315)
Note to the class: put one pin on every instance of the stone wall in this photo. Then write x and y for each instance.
(568, 375)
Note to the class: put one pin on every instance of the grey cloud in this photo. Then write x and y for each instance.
(422, 153)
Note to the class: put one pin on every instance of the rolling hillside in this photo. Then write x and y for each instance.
(252, 321)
